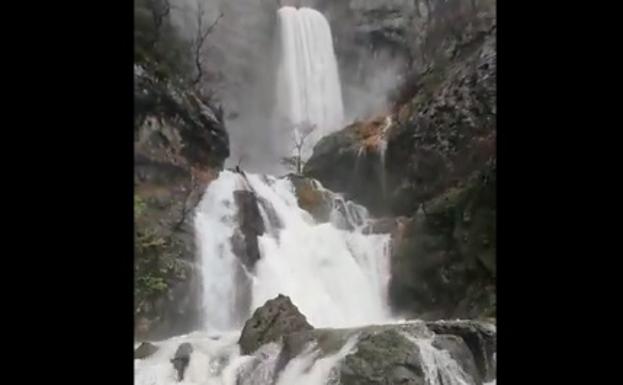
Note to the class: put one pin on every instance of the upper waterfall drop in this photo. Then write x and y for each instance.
(308, 82)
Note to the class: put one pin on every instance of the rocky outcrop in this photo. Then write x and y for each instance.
(181, 359)
(180, 144)
(311, 198)
(145, 350)
(350, 161)
(443, 265)
(277, 318)
(250, 226)
(382, 354)
(386, 357)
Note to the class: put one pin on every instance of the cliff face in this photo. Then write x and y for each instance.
(432, 160)
(180, 144)
(382, 44)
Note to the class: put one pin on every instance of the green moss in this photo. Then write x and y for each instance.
(156, 265)
(139, 206)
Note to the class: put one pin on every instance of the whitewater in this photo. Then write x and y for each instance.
(335, 272)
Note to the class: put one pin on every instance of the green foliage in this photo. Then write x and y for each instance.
(139, 206)
(156, 264)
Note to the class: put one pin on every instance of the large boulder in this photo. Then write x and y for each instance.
(383, 358)
(311, 198)
(404, 353)
(180, 144)
(277, 318)
(181, 359)
(350, 161)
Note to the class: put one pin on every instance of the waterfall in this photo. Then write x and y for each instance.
(336, 277)
(308, 84)
(335, 273)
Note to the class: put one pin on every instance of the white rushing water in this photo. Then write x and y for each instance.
(334, 273)
(308, 83)
(337, 278)
(439, 367)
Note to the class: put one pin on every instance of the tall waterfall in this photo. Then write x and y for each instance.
(335, 272)
(308, 88)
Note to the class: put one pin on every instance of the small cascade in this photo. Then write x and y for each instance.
(215, 222)
(309, 369)
(382, 148)
(438, 366)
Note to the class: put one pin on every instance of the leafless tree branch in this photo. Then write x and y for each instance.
(200, 38)
(300, 133)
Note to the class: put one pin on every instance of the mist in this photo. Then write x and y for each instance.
(241, 55)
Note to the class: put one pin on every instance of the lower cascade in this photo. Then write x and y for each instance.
(306, 292)
(337, 278)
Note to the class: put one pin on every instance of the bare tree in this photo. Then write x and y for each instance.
(160, 10)
(200, 38)
(300, 133)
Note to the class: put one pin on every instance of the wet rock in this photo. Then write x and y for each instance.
(314, 200)
(441, 268)
(181, 359)
(383, 225)
(383, 358)
(480, 338)
(349, 162)
(277, 318)
(145, 350)
(392, 354)
(250, 226)
(459, 352)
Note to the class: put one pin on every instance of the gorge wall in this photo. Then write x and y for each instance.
(429, 162)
